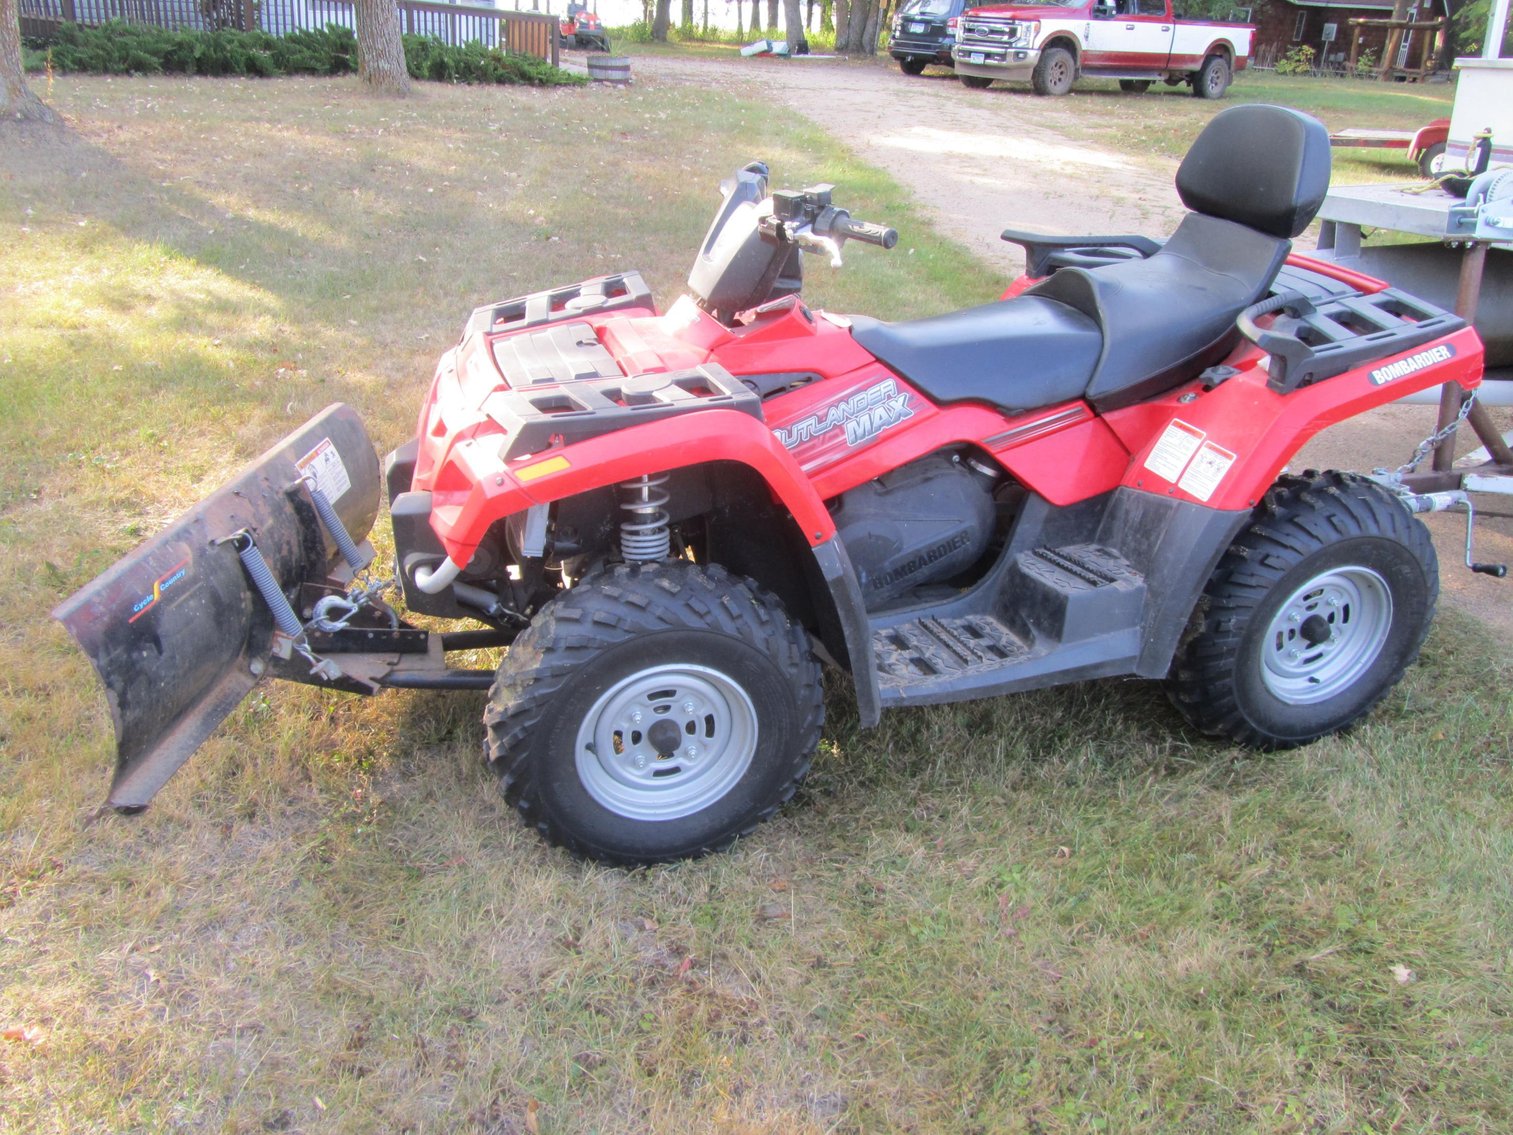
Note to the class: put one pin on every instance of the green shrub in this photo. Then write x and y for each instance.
(427, 57)
(120, 48)
(1298, 61)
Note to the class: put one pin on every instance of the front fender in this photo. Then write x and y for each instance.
(477, 486)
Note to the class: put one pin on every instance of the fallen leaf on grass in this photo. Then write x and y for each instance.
(1062, 852)
(532, 1124)
(1403, 975)
(24, 1034)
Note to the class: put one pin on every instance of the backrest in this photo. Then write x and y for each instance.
(1265, 167)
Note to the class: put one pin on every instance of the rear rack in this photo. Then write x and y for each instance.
(601, 294)
(1309, 343)
(575, 411)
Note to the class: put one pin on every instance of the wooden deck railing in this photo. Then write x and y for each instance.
(528, 33)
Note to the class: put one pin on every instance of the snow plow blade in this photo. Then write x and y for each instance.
(177, 630)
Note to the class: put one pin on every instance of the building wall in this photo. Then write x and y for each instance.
(1281, 27)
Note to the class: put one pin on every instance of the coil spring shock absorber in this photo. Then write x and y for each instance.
(644, 535)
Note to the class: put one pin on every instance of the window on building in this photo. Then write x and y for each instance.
(1297, 28)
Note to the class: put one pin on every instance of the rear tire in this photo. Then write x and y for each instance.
(975, 82)
(912, 66)
(1311, 617)
(1213, 78)
(1055, 72)
(1135, 86)
(654, 712)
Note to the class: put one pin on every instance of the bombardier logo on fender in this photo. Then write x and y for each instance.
(864, 415)
(1413, 363)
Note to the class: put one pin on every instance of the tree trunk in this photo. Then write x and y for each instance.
(16, 98)
(661, 21)
(772, 15)
(798, 43)
(842, 9)
(380, 50)
(687, 14)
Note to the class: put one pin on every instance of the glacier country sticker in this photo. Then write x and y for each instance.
(1412, 364)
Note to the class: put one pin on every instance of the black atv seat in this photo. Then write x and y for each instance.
(1254, 179)
(1021, 354)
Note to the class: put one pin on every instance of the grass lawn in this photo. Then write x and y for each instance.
(1060, 912)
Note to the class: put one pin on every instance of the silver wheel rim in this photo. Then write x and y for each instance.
(1326, 635)
(666, 742)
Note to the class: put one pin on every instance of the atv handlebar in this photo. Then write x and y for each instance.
(865, 231)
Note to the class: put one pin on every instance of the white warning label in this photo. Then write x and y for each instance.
(324, 467)
(1206, 470)
(1174, 450)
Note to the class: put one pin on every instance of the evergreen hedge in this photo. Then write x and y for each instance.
(118, 48)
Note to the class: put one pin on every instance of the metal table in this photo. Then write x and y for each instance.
(1348, 209)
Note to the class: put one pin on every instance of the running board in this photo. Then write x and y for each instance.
(1064, 613)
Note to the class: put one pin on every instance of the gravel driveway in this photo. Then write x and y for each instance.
(971, 158)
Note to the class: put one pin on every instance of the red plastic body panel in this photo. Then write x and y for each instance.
(1224, 448)
(847, 419)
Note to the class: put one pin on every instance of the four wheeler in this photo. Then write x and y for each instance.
(668, 518)
(582, 29)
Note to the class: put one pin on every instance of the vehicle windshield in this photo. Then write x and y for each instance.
(941, 8)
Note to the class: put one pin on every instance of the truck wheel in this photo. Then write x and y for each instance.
(1135, 86)
(654, 712)
(1055, 72)
(1311, 616)
(976, 82)
(1426, 159)
(912, 66)
(1212, 79)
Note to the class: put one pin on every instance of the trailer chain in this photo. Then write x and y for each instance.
(1431, 443)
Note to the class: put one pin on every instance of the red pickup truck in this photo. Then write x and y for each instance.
(1052, 43)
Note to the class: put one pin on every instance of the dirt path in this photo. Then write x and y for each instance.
(979, 165)
(969, 156)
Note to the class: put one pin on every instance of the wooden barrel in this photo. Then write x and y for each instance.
(609, 68)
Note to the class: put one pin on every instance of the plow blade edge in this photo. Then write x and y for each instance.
(177, 631)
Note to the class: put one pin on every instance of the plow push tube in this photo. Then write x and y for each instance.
(177, 630)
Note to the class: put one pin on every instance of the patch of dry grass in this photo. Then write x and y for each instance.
(1057, 912)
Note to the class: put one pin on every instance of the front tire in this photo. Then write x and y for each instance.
(1311, 617)
(1213, 78)
(1055, 72)
(654, 712)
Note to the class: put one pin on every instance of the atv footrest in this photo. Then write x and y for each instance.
(1073, 593)
(931, 648)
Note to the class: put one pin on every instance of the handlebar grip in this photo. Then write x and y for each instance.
(867, 232)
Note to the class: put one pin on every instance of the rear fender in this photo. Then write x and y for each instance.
(177, 632)
(1224, 448)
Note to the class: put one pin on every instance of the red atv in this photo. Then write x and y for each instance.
(667, 518)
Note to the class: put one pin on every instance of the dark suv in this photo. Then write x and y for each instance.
(920, 35)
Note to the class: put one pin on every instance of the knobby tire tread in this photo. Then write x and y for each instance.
(1298, 516)
(617, 605)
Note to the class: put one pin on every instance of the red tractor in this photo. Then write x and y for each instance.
(582, 29)
(670, 518)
